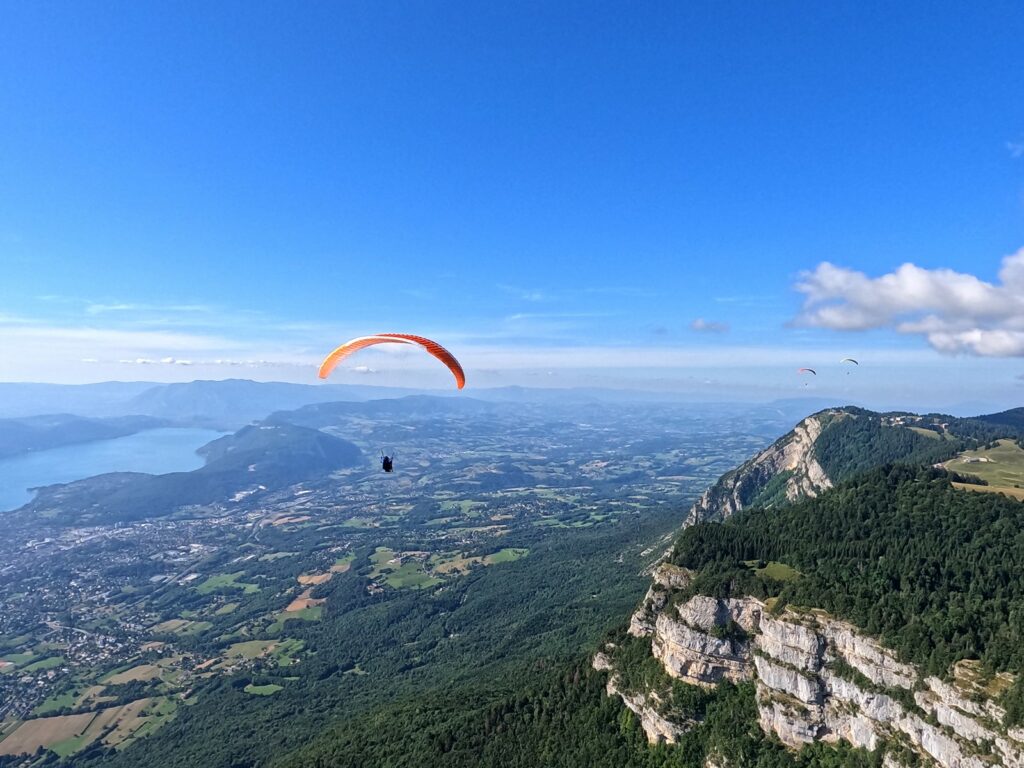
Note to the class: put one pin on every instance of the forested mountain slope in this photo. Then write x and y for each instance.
(873, 606)
(837, 443)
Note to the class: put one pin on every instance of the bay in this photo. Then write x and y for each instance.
(155, 451)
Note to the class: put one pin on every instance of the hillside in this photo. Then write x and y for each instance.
(1011, 418)
(852, 609)
(39, 433)
(852, 590)
(254, 460)
(830, 446)
(881, 613)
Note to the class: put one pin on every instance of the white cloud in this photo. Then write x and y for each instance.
(56, 352)
(365, 369)
(956, 312)
(48, 339)
(100, 308)
(219, 362)
(708, 326)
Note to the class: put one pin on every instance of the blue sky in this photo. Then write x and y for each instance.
(562, 193)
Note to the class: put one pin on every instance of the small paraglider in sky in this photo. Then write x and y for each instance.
(848, 360)
(432, 347)
(807, 370)
(387, 463)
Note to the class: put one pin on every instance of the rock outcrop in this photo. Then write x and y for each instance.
(646, 706)
(819, 679)
(792, 456)
(665, 577)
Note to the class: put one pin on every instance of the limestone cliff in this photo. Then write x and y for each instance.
(818, 679)
(785, 471)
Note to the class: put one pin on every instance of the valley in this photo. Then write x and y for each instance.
(510, 542)
(157, 608)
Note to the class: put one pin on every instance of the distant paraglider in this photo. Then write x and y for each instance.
(849, 360)
(387, 463)
(362, 342)
(807, 370)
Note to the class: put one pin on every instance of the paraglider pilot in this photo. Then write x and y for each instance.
(387, 463)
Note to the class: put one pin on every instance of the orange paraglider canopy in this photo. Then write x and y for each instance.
(362, 342)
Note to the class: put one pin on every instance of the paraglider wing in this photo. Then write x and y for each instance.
(807, 370)
(435, 349)
(849, 360)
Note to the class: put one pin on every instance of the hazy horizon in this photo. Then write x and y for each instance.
(693, 202)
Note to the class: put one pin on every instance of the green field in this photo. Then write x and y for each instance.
(60, 701)
(1002, 467)
(342, 564)
(228, 581)
(286, 652)
(9, 642)
(271, 556)
(249, 649)
(506, 555)
(313, 613)
(18, 659)
(380, 558)
(194, 628)
(263, 690)
(465, 507)
(410, 573)
(774, 570)
(47, 663)
(454, 563)
(70, 746)
(307, 614)
(225, 609)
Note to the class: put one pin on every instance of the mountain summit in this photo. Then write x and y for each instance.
(830, 446)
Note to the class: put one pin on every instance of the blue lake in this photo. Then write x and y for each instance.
(154, 451)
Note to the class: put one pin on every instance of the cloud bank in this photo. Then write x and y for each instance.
(708, 326)
(956, 313)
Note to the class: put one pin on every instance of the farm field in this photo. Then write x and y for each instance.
(197, 597)
(66, 734)
(1002, 467)
(226, 581)
(141, 672)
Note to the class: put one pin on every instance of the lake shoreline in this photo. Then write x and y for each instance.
(151, 451)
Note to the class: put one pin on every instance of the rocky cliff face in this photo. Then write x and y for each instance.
(785, 471)
(817, 679)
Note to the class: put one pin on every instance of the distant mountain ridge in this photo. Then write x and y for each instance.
(223, 403)
(39, 433)
(836, 443)
(233, 402)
